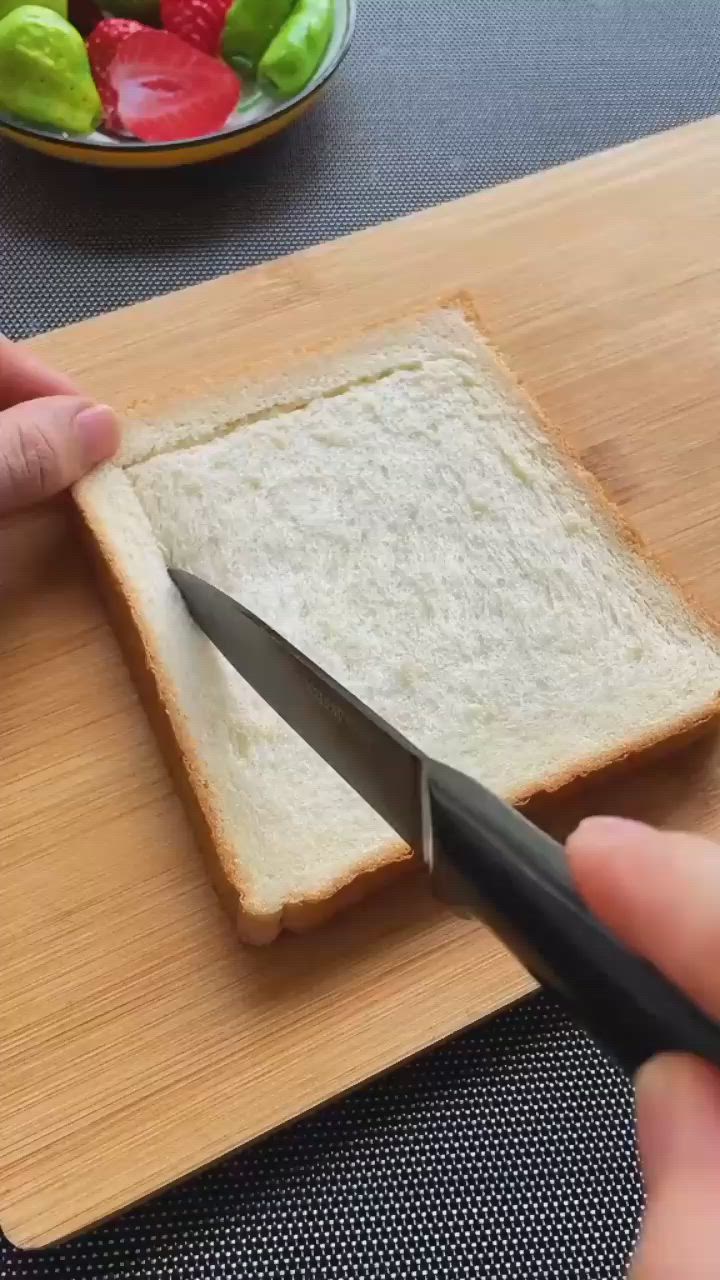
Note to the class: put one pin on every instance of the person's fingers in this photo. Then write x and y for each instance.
(48, 444)
(660, 892)
(678, 1102)
(23, 377)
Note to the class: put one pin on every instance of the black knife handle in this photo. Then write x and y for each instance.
(492, 862)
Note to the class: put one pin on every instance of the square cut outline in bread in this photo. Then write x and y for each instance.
(366, 357)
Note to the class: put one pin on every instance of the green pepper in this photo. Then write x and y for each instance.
(249, 28)
(295, 53)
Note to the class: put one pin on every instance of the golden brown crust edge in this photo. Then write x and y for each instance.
(393, 859)
(601, 501)
(253, 926)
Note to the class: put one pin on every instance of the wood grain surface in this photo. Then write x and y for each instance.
(138, 1040)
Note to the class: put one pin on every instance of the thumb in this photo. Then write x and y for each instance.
(48, 444)
(678, 1101)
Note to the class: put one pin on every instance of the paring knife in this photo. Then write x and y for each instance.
(484, 858)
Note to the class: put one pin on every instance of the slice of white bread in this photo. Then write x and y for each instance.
(403, 515)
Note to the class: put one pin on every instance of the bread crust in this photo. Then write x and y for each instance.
(391, 860)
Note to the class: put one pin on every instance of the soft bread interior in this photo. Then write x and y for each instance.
(403, 517)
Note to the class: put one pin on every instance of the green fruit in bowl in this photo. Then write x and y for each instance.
(141, 10)
(58, 6)
(45, 75)
(249, 28)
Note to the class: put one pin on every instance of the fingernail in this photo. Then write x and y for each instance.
(608, 833)
(98, 433)
(657, 1120)
(605, 827)
(679, 1113)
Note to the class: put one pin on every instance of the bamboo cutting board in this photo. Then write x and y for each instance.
(139, 1040)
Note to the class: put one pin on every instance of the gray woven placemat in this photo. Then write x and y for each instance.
(510, 1152)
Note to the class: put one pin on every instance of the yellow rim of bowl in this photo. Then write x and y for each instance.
(178, 154)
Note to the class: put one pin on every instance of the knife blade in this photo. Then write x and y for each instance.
(376, 760)
(485, 859)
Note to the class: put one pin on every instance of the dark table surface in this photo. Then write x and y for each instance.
(509, 1153)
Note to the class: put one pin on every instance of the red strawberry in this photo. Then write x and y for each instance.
(102, 46)
(168, 91)
(199, 22)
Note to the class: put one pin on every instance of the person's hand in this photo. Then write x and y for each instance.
(49, 434)
(660, 892)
